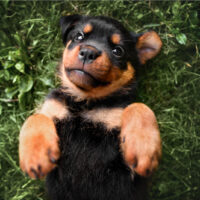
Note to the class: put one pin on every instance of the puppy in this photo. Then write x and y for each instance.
(89, 137)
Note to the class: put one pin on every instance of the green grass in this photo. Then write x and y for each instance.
(170, 84)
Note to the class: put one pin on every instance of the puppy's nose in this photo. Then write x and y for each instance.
(87, 55)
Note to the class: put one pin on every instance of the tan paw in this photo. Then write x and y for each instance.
(140, 139)
(38, 146)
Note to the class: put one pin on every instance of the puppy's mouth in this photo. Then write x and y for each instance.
(83, 79)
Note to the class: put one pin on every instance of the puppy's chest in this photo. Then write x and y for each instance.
(90, 138)
(108, 118)
(98, 123)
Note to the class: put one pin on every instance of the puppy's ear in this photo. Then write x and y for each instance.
(148, 45)
(67, 23)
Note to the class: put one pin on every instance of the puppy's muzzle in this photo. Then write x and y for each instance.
(89, 68)
(88, 54)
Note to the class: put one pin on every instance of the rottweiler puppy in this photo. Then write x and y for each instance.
(89, 137)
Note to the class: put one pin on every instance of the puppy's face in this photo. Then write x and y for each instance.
(100, 55)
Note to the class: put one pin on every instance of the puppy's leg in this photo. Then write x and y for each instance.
(38, 140)
(140, 139)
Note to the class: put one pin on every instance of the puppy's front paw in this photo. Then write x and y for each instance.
(38, 146)
(140, 139)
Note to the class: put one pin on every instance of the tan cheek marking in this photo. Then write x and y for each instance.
(115, 74)
(88, 28)
(103, 91)
(101, 68)
(102, 64)
(70, 88)
(129, 73)
(70, 56)
(54, 109)
(111, 118)
(115, 38)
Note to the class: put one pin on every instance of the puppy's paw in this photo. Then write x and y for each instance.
(38, 146)
(140, 139)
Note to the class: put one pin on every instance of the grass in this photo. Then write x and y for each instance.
(31, 48)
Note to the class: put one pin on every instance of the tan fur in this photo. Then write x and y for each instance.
(88, 28)
(68, 43)
(70, 57)
(149, 40)
(115, 38)
(38, 141)
(99, 91)
(101, 68)
(140, 136)
(54, 109)
(111, 118)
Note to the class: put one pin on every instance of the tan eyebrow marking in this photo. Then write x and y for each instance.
(88, 28)
(115, 38)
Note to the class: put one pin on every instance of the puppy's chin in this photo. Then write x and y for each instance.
(83, 80)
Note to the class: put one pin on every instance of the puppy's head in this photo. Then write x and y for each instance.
(100, 55)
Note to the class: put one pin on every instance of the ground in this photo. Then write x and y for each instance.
(31, 47)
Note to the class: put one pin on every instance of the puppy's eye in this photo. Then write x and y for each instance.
(118, 51)
(78, 37)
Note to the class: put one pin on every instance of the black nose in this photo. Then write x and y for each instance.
(87, 55)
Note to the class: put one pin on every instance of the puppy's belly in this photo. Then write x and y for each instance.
(87, 144)
(91, 165)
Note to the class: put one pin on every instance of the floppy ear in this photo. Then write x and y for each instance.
(148, 46)
(67, 23)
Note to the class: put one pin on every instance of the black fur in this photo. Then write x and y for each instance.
(91, 166)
